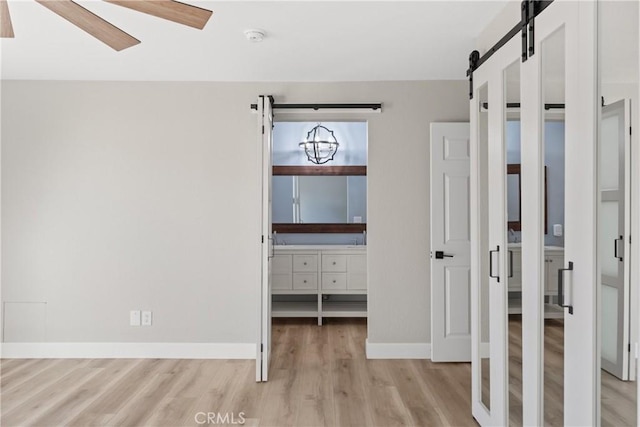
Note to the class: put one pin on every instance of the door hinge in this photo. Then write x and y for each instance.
(263, 129)
(630, 131)
(262, 238)
(629, 347)
(261, 348)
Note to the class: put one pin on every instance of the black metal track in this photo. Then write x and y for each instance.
(316, 107)
(530, 10)
(485, 105)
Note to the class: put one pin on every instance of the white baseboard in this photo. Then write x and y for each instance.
(398, 350)
(120, 350)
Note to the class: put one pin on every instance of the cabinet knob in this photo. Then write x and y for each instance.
(304, 281)
(334, 281)
(304, 263)
(334, 263)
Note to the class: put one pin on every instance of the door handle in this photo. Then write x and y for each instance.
(615, 247)
(442, 255)
(497, 250)
(561, 272)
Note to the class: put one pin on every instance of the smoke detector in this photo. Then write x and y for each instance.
(254, 35)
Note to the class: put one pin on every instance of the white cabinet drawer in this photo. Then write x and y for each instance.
(281, 264)
(281, 281)
(554, 263)
(356, 281)
(305, 263)
(335, 281)
(515, 282)
(357, 264)
(305, 281)
(334, 263)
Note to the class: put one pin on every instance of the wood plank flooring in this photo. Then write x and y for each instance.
(618, 397)
(319, 377)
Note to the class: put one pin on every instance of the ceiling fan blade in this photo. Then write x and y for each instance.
(175, 11)
(6, 29)
(91, 23)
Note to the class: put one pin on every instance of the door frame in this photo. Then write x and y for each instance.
(265, 139)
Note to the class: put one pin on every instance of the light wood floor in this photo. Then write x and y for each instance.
(319, 377)
(618, 397)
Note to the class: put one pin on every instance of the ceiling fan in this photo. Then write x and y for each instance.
(106, 32)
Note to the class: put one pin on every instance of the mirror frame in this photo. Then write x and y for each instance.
(514, 169)
(319, 171)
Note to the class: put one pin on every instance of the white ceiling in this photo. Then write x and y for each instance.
(306, 41)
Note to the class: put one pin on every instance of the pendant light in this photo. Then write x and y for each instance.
(320, 145)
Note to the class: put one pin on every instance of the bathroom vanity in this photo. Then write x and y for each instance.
(319, 281)
(553, 261)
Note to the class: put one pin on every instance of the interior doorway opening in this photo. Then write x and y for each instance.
(319, 219)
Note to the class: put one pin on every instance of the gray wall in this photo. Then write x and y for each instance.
(139, 195)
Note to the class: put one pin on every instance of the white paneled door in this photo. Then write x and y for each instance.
(450, 243)
(265, 139)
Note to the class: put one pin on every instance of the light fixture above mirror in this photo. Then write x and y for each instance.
(320, 145)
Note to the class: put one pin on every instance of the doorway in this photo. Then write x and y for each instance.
(318, 214)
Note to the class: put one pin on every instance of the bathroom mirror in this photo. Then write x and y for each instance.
(514, 198)
(319, 199)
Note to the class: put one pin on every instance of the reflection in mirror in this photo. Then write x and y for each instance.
(513, 198)
(618, 71)
(553, 84)
(319, 199)
(319, 204)
(485, 302)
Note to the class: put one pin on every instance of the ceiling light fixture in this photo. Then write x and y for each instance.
(255, 35)
(320, 145)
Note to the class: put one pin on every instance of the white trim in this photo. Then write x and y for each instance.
(398, 350)
(126, 350)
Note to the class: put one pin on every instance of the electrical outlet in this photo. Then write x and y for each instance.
(146, 318)
(134, 318)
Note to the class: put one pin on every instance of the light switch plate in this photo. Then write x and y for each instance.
(134, 318)
(557, 230)
(146, 318)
